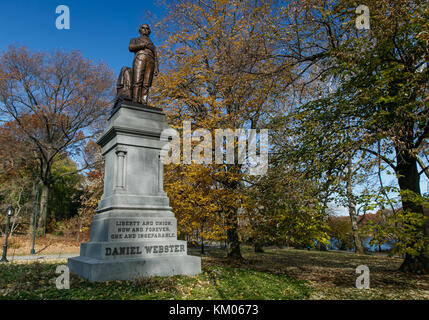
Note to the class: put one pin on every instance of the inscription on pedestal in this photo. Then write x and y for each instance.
(143, 250)
(142, 229)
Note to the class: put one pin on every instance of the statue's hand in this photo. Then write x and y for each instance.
(141, 45)
(136, 45)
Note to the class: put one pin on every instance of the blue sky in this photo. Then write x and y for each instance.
(101, 30)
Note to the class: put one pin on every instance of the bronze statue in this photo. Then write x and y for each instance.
(134, 84)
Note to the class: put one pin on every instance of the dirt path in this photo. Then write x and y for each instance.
(48, 245)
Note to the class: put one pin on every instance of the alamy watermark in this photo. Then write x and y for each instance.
(226, 143)
(63, 281)
(362, 20)
(362, 282)
(63, 20)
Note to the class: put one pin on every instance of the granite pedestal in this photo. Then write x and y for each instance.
(134, 233)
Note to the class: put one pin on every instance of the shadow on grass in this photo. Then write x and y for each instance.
(36, 280)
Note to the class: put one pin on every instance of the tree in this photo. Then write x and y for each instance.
(340, 231)
(18, 175)
(388, 90)
(58, 101)
(92, 192)
(287, 208)
(16, 191)
(216, 74)
(64, 199)
(197, 204)
(382, 92)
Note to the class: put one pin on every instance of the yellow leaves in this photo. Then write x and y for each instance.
(198, 201)
(213, 78)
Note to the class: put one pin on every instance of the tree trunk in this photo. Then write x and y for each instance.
(35, 196)
(43, 210)
(17, 212)
(352, 208)
(233, 245)
(322, 247)
(258, 247)
(233, 242)
(409, 179)
(202, 240)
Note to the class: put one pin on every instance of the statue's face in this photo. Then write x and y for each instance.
(144, 30)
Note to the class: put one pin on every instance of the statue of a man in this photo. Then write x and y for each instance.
(145, 65)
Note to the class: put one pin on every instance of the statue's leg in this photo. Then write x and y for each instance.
(148, 76)
(138, 69)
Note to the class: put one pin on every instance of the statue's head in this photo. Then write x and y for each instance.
(144, 30)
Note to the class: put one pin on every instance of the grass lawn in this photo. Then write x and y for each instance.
(276, 274)
(49, 244)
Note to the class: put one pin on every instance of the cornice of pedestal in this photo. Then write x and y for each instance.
(134, 106)
(134, 119)
(115, 130)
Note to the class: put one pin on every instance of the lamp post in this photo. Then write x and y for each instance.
(9, 212)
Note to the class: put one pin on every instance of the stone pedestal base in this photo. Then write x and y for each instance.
(134, 233)
(96, 270)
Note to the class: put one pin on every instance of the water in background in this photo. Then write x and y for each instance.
(334, 244)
